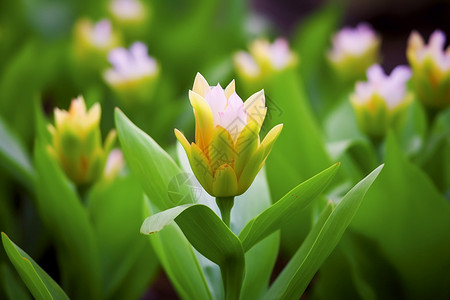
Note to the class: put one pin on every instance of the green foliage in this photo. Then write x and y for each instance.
(40, 284)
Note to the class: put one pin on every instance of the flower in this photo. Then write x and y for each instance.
(381, 101)
(431, 68)
(134, 71)
(94, 41)
(264, 59)
(114, 164)
(227, 153)
(99, 35)
(77, 141)
(354, 50)
(128, 11)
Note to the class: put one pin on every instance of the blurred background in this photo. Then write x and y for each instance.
(45, 62)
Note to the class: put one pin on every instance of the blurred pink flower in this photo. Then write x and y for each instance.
(130, 65)
(392, 88)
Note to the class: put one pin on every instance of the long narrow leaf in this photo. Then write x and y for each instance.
(151, 165)
(38, 282)
(155, 169)
(210, 236)
(13, 156)
(294, 279)
(286, 208)
(67, 220)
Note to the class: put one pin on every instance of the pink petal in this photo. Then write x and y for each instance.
(217, 102)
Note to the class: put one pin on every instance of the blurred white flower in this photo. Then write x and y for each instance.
(381, 102)
(264, 58)
(353, 42)
(392, 89)
(114, 163)
(354, 50)
(431, 69)
(435, 49)
(127, 10)
(130, 65)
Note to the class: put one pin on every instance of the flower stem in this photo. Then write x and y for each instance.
(225, 205)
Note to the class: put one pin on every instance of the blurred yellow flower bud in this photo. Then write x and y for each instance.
(353, 51)
(227, 153)
(430, 68)
(134, 73)
(381, 102)
(264, 59)
(77, 142)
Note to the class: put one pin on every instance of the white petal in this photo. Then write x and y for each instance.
(217, 102)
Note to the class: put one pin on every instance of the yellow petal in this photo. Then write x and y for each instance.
(201, 86)
(246, 145)
(93, 116)
(183, 141)
(230, 89)
(415, 43)
(77, 106)
(110, 140)
(270, 139)
(60, 117)
(201, 168)
(204, 122)
(225, 182)
(250, 170)
(221, 148)
(256, 108)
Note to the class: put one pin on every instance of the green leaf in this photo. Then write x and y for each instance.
(13, 286)
(66, 219)
(287, 103)
(286, 208)
(155, 169)
(179, 261)
(405, 203)
(210, 236)
(38, 282)
(260, 260)
(14, 157)
(114, 206)
(294, 279)
(151, 165)
(287, 165)
(359, 150)
(311, 40)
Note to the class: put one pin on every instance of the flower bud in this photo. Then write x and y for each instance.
(134, 73)
(128, 11)
(264, 59)
(77, 142)
(114, 164)
(227, 153)
(93, 42)
(131, 16)
(381, 102)
(430, 68)
(353, 51)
